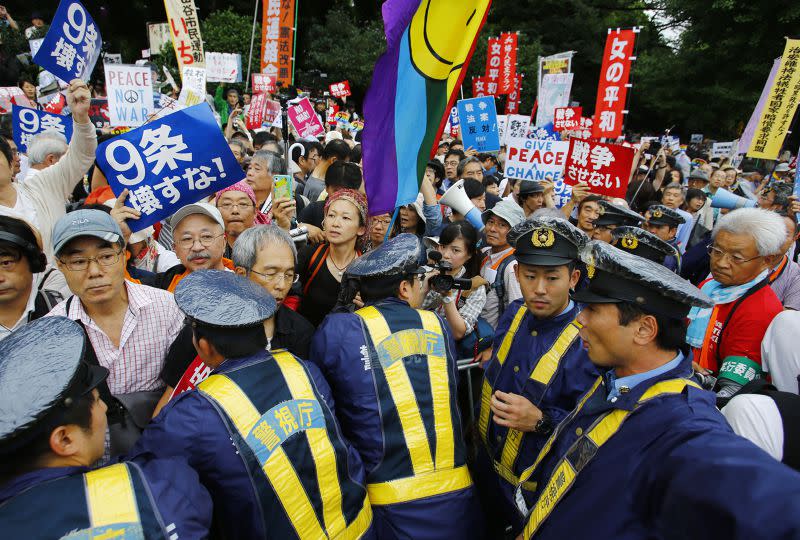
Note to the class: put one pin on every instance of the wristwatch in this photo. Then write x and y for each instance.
(446, 299)
(544, 426)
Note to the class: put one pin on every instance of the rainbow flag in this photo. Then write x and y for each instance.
(414, 86)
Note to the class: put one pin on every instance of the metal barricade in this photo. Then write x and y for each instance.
(465, 367)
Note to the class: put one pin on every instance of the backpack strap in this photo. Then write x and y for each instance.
(499, 285)
(315, 264)
(45, 301)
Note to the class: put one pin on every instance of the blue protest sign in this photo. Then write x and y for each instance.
(169, 163)
(28, 122)
(72, 44)
(478, 117)
(546, 132)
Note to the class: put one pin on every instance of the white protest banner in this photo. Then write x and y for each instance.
(193, 90)
(516, 126)
(722, 149)
(502, 121)
(169, 78)
(553, 93)
(157, 36)
(696, 138)
(223, 67)
(130, 94)
(112, 58)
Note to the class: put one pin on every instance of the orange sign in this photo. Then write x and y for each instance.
(277, 40)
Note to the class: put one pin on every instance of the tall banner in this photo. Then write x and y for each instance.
(752, 124)
(514, 97)
(554, 65)
(613, 87)
(494, 58)
(277, 40)
(554, 93)
(781, 105)
(479, 87)
(508, 66)
(185, 29)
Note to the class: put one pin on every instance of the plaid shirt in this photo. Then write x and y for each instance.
(468, 307)
(151, 324)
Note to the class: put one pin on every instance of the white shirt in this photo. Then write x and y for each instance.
(757, 419)
(780, 355)
(23, 320)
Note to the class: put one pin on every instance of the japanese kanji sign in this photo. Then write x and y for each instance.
(494, 59)
(553, 93)
(567, 118)
(257, 113)
(508, 65)
(305, 119)
(545, 132)
(196, 373)
(263, 84)
(277, 40)
(72, 44)
(479, 87)
(696, 138)
(605, 167)
(98, 113)
(478, 117)
(514, 97)
(281, 422)
(193, 90)
(169, 163)
(517, 126)
(185, 29)
(780, 106)
(722, 149)
(223, 67)
(453, 123)
(130, 94)
(613, 87)
(29, 122)
(553, 65)
(340, 89)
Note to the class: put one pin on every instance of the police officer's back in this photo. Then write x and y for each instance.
(53, 427)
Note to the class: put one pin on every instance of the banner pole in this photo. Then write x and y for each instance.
(391, 224)
(294, 38)
(250, 56)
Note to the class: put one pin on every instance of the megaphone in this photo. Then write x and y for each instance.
(456, 198)
(725, 199)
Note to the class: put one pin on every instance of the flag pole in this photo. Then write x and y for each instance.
(391, 223)
(252, 39)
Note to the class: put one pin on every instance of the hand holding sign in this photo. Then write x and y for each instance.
(122, 213)
(72, 44)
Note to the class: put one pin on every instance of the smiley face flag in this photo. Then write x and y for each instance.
(414, 85)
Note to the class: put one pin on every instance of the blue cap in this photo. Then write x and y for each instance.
(223, 299)
(398, 256)
(85, 223)
(41, 371)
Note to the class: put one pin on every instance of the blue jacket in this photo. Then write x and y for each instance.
(52, 502)
(194, 427)
(358, 377)
(674, 469)
(672, 262)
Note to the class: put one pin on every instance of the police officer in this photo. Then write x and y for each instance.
(52, 428)
(259, 430)
(393, 371)
(538, 370)
(645, 453)
(663, 222)
(611, 217)
(644, 244)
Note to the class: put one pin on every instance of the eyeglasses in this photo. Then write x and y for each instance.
(229, 206)
(384, 222)
(717, 253)
(78, 264)
(275, 277)
(205, 240)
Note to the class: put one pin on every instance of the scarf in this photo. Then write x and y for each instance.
(700, 317)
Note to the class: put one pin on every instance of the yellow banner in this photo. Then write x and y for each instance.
(184, 26)
(784, 96)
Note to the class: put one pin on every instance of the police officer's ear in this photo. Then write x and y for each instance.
(645, 330)
(67, 441)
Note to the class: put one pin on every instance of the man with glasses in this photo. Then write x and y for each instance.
(727, 338)
(451, 161)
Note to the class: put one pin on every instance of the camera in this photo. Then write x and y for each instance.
(443, 282)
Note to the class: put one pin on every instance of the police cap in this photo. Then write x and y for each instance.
(546, 241)
(642, 243)
(223, 300)
(529, 187)
(612, 214)
(658, 214)
(42, 372)
(398, 256)
(617, 276)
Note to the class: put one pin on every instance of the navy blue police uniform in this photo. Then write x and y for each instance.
(658, 214)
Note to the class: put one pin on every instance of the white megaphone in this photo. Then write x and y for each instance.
(456, 198)
(725, 199)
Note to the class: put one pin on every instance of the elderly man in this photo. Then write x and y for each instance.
(40, 200)
(673, 197)
(727, 339)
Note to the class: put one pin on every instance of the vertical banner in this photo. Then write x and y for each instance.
(750, 129)
(514, 97)
(508, 67)
(277, 40)
(494, 58)
(185, 29)
(130, 94)
(780, 107)
(257, 110)
(554, 93)
(72, 44)
(613, 87)
(479, 87)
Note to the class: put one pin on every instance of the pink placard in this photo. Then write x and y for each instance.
(305, 120)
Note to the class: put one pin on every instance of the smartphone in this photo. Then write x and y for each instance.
(282, 186)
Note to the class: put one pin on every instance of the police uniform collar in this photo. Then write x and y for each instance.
(611, 214)
(34, 478)
(628, 400)
(231, 364)
(557, 321)
(546, 241)
(641, 243)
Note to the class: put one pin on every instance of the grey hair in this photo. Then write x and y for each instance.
(254, 239)
(767, 228)
(548, 213)
(240, 144)
(674, 185)
(464, 162)
(273, 162)
(44, 144)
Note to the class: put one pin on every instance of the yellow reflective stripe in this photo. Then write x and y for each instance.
(402, 394)
(420, 486)
(278, 468)
(502, 352)
(562, 479)
(440, 392)
(486, 403)
(320, 445)
(359, 526)
(110, 496)
(548, 364)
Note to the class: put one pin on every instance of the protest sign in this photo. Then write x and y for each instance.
(671, 142)
(263, 84)
(553, 65)
(158, 35)
(223, 67)
(750, 129)
(508, 66)
(277, 40)
(479, 117)
(514, 97)
(553, 93)
(29, 122)
(546, 132)
(305, 120)
(502, 121)
(112, 58)
(780, 106)
(98, 113)
(256, 111)
(453, 123)
(605, 167)
(722, 149)
(565, 118)
(185, 29)
(517, 126)
(72, 44)
(494, 58)
(169, 163)
(35, 45)
(534, 159)
(612, 89)
(130, 94)
(340, 89)
(11, 95)
(193, 90)
(272, 114)
(696, 138)
(479, 87)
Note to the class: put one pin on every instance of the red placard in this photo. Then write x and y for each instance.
(305, 120)
(494, 59)
(263, 84)
(491, 87)
(340, 89)
(196, 373)
(479, 86)
(514, 97)
(613, 87)
(508, 66)
(567, 118)
(605, 167)
(256, 111)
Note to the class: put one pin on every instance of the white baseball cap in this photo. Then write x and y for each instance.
(197, 208)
